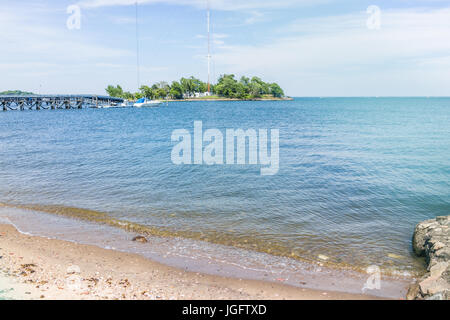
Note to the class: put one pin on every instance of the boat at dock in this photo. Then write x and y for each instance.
(146, 103)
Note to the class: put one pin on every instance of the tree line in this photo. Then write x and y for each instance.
(16, 93)
(227, 87)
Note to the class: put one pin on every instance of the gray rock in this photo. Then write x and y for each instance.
(432, 240)
(438, 296)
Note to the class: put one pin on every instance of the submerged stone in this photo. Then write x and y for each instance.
(140, 239)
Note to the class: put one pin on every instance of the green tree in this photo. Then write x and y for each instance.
(227, 86)
(114, 91)
(276, 90)
(163, 85)
(255, 89)
(128, 95)
(176, 90)
(160, 90)
(245, 81)
(212, 88)
(188, 86)
(147, 92)
(258, 87)
(162, 93)
(16, 93)
(203, 87)
(242, 92)
(198, 85)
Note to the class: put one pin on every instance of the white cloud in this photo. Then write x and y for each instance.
(220, 35)
(214, 35)
(225, 5)
(341, 50)
(27, 36)
(123, 20)
(218, 39)
(36, 52)
(334, 55)
(254, 18)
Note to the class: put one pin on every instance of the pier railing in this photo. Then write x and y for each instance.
(53, 102)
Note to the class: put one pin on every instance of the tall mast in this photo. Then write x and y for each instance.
(209, 45)
(137, 49)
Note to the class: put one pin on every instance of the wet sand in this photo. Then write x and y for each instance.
(41, 268)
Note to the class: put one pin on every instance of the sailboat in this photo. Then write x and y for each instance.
(146, 103)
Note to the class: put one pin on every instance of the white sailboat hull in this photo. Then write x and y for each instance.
(147, 104)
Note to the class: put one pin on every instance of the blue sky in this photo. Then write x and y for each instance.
(310, 47)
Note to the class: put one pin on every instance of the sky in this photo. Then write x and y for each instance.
(310, 47)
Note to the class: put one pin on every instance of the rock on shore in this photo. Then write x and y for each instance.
(432, 240)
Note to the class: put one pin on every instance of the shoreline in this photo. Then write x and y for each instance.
(201, 257)
(225, 99)
(41, 268)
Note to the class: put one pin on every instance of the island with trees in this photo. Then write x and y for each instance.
(189, 89)
(16, 93)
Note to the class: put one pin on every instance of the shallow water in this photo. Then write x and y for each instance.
(204, 257)
(356, 174)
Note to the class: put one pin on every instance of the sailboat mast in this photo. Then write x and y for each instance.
(137, 49)
(209, 45)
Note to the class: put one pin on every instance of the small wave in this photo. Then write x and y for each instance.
(239, 241)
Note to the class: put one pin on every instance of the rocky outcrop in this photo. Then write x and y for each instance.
(432, 240)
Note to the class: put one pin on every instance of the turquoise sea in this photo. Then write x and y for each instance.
(356, 175)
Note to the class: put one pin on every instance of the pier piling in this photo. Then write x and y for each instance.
(53, 102)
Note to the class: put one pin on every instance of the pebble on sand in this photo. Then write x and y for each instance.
(323, 257)
(395, 256)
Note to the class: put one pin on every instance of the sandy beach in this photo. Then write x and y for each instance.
(39, 268)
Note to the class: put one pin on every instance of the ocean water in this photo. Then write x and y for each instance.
(356, 175)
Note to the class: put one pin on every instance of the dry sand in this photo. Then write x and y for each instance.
(40, 268)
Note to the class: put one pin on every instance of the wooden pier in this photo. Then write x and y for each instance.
(53, 102)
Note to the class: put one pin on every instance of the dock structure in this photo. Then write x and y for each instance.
(53, 102)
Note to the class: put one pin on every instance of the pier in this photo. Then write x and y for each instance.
(53, 102)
